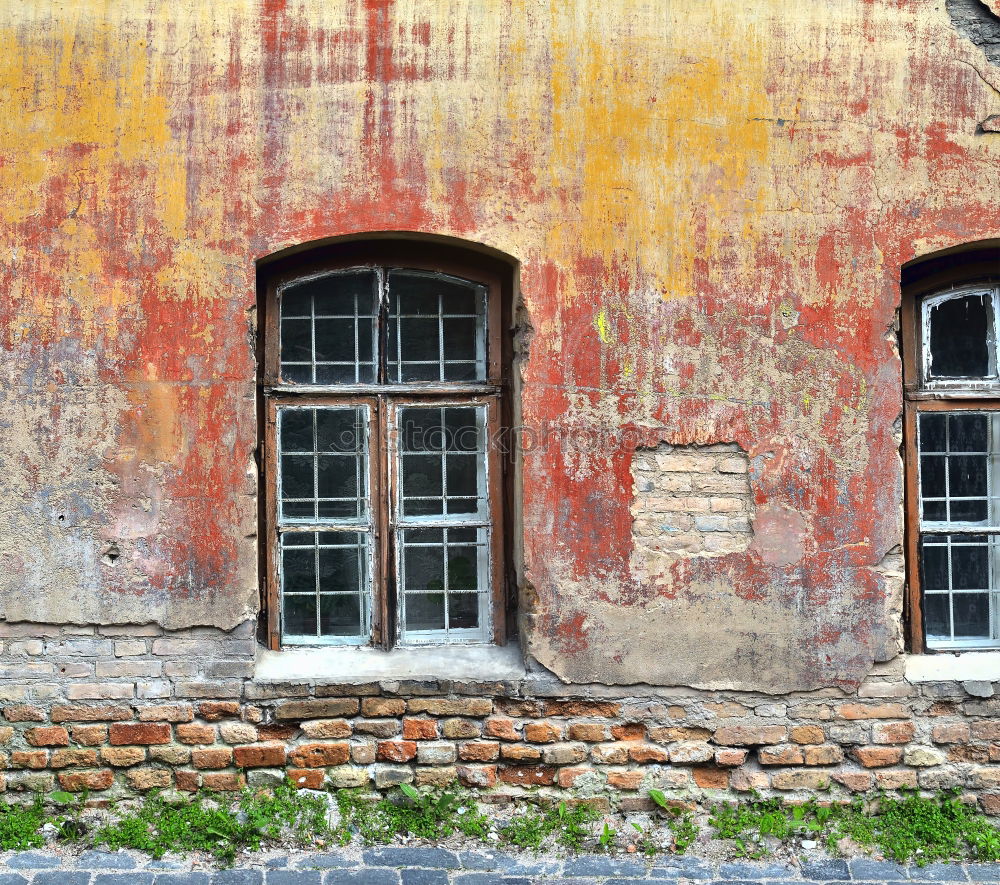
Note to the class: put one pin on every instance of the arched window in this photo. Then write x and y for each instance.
(952, 403)
(383, 382)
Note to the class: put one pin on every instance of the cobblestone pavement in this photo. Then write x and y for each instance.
(403, 865)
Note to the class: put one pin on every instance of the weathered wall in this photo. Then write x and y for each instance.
(710, 211)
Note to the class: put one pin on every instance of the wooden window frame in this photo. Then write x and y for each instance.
(936, 277)
(383, 398)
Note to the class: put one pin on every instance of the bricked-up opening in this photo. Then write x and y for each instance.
(690, 501)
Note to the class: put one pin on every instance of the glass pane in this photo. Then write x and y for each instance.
(932, 476)
(330, 482)
(326, 329)
(339, 567)
(967, 476)
(437, 328)
(463, 611)
(463, 569)
(935, 511)
(300, 616)
(423, 568)
(968, 433)
(960, 338)
(298, 569)
(972, 615)
(935, 567)
(970, 566)
(937, 621)
(424, 611)
(339, 615)
(932, 433)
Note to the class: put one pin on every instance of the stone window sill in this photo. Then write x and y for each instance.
(945, 666)
(352, 665)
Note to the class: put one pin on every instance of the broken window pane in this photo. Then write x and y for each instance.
(961, 338)
(328, 328)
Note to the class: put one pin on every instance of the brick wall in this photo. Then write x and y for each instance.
(169, 712)
(690, 501)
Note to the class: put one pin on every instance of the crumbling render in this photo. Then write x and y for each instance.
(979, 21)
(690, 501)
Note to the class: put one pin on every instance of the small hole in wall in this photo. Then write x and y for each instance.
(61, 518)
(111, 554)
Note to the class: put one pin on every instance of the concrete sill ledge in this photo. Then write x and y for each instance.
(966, 666)
(354, 666)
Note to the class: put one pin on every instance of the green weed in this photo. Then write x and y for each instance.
(568, 825)
(20, 825)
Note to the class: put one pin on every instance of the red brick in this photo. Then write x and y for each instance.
(194, 733)
(281, 731)
(24, 713)
(307, 778)
(502, 728)
(990, 803)
(378, 707)
(988, 729)
(420, 729)
(807, 734)
(75, 758)
(29, 759)
(520, 752)
(90, 735)
(750, 735)
(542, 732)
(953, 733)
(823, 754)
(259, 756)
(135, 734)
(783, 754)
(595, 709)
(75, 781)
(528, 775)
(217, 757)
(968, 753)
(478, 751)
(893, 732)
(396, 751)
(167, 713)
(218, 780)
(855, 781)
(873, 711)
(632, 731)
(711, 778)
(896, 779)
(87, 713)
(189, 781)
(148, 778)
(877, 757)
(213, 711)
(590, 732)
(122, 757)
(610, 754)
(648, 753)
(320, 755)
(730, 756)
(567, 777)
(477, 775)
(48, 736)
(625, 780)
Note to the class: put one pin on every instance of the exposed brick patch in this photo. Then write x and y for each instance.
(24, 714)
(215, 757)
(528, 775)
(689, 501)
(213, 711)
(87, 713)
(419, 729)
(396, 751)
(195, 733)
(75, 781)
(307, 778)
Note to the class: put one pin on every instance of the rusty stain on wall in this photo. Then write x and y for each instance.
(710, 212)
